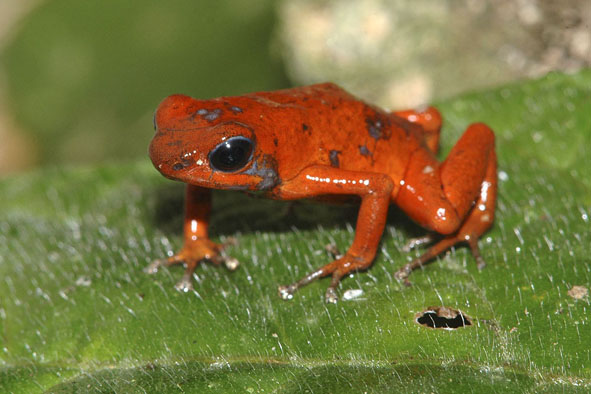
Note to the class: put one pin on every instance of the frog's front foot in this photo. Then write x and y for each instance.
(403, 273)
(191, 255)
(153, 267)
(337, 269)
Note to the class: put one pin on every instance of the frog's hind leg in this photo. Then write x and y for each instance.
(480, 214)
(430, 119)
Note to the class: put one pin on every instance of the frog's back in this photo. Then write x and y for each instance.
(335, 128)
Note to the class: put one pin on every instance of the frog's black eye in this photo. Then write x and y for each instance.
(231, 155)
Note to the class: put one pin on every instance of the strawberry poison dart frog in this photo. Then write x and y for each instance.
(320, 142)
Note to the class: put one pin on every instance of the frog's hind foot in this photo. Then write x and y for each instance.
(424, 259)
(418, 241)
(473, 244)
(435, 250)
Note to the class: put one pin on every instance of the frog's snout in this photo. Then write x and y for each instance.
(170, 115)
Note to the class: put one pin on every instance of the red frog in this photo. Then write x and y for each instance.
(320, 142)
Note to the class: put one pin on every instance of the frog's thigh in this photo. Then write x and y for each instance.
(439, 197)
(421, 195)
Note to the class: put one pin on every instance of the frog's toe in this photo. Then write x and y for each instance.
(480, 263)
(184, 285)
(416, 242)
(403, 273)
(333, 250)
(473, 244)
(286, 292)
(331, 296)
(153, 267)
(231, 263)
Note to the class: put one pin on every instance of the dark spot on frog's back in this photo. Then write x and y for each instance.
(378, 126)
(305, 127)
(364, 151)
(236, 110)
(207, 114)
(334, 158)
(374, 127)
(213, 115)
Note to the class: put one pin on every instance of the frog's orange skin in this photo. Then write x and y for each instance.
(319, 141)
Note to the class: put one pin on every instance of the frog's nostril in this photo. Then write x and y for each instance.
(184, 163)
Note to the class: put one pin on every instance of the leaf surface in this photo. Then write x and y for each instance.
(78, 313)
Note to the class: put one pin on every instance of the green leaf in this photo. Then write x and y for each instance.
(78, 313)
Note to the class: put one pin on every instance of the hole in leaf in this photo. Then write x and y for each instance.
(443, 317)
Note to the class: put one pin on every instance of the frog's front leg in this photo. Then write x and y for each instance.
(197, 245)
(374, 190)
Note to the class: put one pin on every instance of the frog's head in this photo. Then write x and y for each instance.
(205, 143)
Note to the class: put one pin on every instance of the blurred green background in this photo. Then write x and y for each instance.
(83, 77)
(79, 80)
